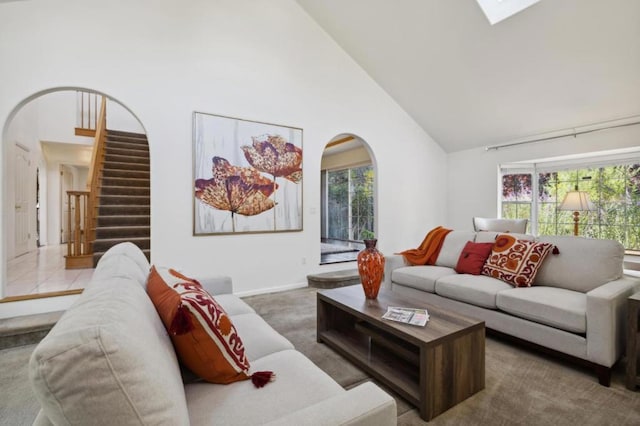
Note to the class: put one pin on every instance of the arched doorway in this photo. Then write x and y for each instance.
(47, 145)
(348, 202)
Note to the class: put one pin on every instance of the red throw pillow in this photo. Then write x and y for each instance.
(514, 261)
(201, 331)
(472, 258)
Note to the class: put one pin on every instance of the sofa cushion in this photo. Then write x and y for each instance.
(452, 246)
(557, 307)
(299, 384)
(420, 277)
(515, 261)
(203, 334)
(473, 257)
(583, 263)
(233, 305)
(258, 337)
(477, 290)
(110, 340)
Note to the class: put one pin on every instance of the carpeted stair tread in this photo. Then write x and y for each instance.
(132, 136)
(125, 173)
(122, 231)
(119, 165)
(124, 200)
(134, 142)
(126, 190)
(110, 150)
(122, 181)
(26, 329)
(127, 145)
(123, 220)
(127, 159)
(120, 210)
(126, 134)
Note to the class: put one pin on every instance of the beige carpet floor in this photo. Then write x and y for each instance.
(522, 387)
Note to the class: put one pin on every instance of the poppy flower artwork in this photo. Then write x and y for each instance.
(247, 176)
(272, 154)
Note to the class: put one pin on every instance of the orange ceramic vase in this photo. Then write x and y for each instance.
(370, 268)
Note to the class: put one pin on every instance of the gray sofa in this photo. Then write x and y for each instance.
(576, 306)
(109, 360)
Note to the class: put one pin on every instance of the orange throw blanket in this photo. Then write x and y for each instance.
(427, 252)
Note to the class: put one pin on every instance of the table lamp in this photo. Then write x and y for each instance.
(576, 201)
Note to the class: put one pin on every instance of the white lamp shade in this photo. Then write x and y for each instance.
(576, 201)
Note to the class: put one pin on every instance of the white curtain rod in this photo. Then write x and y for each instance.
(573, 133)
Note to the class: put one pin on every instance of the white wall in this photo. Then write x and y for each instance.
(258, 60)
(119, 118)
(473, 174)
(57, 118)
(58, 115)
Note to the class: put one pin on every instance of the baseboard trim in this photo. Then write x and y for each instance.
(270, 289)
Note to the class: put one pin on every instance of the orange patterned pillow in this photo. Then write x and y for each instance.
(201, 331)
(514, 261)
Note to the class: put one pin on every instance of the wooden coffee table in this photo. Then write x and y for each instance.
(433, 367)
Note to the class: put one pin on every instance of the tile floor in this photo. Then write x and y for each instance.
(42, 271)
(338, 251)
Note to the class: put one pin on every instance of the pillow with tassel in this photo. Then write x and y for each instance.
(201, 331)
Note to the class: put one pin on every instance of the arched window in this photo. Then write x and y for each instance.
(348, 198)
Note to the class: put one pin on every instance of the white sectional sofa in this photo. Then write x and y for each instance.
(109, 360)
(575, 307)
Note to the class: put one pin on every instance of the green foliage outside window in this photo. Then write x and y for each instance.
(614, 190)
(350, 198)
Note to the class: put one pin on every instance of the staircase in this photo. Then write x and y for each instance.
(123, 206)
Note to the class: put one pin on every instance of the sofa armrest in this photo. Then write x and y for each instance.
(392, 262)
(216, 284)
(365, 405)
(606, 319)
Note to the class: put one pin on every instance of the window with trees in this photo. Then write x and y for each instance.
(614, 189)
(350, 203)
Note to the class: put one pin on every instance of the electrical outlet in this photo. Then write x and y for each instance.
(304, 261)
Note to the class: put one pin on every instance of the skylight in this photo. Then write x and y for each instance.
(497, 10)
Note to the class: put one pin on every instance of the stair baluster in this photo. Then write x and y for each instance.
(78, 255)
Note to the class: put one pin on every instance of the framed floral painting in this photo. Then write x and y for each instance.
(247, 176)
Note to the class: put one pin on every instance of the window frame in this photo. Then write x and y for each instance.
(537, 168)
(350, 192)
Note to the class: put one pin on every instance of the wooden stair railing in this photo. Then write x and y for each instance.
(80, 237)
(77, 244)
(87, 113)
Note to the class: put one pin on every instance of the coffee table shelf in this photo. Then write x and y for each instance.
(381, 364)
(433, 367)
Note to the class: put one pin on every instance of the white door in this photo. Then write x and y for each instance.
(66, 184)
(22, 201)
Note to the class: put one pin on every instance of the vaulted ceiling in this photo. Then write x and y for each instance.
(555, 65)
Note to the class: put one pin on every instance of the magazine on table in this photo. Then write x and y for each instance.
(409, 316)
